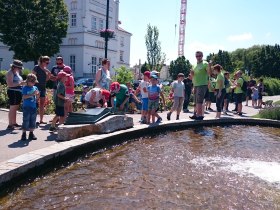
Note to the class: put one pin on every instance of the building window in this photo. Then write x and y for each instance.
(122, 41)
(93, 23)
(73, 20)
(72, 41)
(99, 44)
(101, 24)
(74, 5)
(93, 64)
(121, 56)
(100, 62)
(73, 62)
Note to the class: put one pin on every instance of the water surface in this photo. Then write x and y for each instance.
(234, 167)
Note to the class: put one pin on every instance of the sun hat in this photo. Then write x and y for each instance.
(31, 78)
(154, 76)
(155, 72)
(62, 74)
(67, 69)
(17, 64)
(115, 86)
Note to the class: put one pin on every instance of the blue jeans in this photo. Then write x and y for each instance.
(29, 118)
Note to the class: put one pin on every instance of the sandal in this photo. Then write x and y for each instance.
(10, 127)
(42, 122)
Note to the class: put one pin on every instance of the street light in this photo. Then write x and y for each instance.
(107, 26)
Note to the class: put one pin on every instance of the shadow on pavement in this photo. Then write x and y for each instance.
(19, 144)
(52, 137)
(5, 132)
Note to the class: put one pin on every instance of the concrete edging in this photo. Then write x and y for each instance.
(27, 167)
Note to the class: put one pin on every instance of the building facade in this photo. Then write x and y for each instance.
(83, 49)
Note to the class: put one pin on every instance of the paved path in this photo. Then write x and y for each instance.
(11, 146)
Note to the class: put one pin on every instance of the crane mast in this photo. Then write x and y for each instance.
(182, 26)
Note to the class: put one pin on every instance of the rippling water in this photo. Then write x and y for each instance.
(208, 168)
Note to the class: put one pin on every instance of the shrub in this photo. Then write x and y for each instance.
(3, 77)
(270, 113)
(3, 96)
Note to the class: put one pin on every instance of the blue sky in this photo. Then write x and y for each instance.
(211, 25)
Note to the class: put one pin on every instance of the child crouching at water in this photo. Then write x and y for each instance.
(30, 94)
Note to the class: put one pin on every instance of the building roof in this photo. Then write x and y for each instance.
(122, 30)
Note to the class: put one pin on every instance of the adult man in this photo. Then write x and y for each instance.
(251, 84)
(55, 70)
(200, 74)
(188, 90)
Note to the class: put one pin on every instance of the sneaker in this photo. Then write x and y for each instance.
(16, 125)
(31, 136)
(177, 118)
(240, 113)
(199, 118)
(225, 113)
(10, 127)
(193, 117)
(234, 110)
(210, 109)
(168, 115)
(159, 120)
(52, 128)
(23, 137)
(143, 121)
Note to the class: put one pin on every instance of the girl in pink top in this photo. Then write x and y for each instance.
(69, 91)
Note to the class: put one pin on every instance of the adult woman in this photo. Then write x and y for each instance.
(103, 78)
(14, 82)
(69, 91)
(43, 75)
(220, 89)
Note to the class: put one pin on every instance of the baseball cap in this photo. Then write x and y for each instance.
(115, 86)
(147, 73)
(62, 74)
(154, 76)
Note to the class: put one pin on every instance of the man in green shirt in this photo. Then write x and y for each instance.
(200, 74)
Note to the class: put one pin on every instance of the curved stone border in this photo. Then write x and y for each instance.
(27, 167)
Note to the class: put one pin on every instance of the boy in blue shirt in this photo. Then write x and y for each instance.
(30, 94)
(153, 97)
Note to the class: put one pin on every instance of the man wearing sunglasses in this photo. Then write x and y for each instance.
(200, 74)
(55, 70)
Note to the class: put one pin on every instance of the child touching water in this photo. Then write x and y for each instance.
(30, 94)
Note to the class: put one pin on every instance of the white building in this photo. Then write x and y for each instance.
(83, 48)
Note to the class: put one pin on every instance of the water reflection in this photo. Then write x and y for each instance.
(234, 167)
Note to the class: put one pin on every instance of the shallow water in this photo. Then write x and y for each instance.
(234, 167)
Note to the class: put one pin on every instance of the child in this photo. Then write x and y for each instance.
(178, 88)
(30, 93)
(154, 92)
(97, 97)
(85, 90)
(119, 94)
(144, 95)
(255, 96)
(59, 99)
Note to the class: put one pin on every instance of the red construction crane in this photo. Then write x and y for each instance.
(182, 27)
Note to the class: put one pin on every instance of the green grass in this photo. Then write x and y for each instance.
(277, 103)
(269, 113)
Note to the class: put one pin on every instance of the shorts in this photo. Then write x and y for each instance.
(153, 104)
(14, 96)
(238, 98)
(210, 97)
(42, 91)
(71, 97)
(178, 103)
(200, 92)
(145, 103)
(59, 111)
(29, 118)
(248, 92)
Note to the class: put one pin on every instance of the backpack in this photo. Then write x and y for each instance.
(244, 85)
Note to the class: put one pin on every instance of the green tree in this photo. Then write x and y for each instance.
(180, 65)
(33, 28)
(145, 67)
(222, 58)
(123, 75)
(154, 55)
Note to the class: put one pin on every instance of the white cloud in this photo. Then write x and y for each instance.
(240, 37)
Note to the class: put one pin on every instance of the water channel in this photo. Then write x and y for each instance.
(234, 167)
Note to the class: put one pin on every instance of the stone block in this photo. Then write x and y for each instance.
(107, 125)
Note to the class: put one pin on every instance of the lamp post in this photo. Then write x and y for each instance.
(107, 26)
